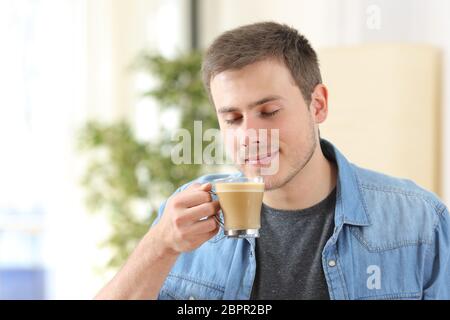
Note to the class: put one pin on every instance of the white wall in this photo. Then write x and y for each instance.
(64, 62)
(346, 22)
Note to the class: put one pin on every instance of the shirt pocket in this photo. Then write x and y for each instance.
(381, 269)
(182, 287)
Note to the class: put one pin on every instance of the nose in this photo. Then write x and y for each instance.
(249, 132)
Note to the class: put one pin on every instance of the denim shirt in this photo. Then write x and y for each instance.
(391, 241)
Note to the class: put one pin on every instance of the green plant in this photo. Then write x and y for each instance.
(123, 172)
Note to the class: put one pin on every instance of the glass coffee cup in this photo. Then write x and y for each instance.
(240, 201)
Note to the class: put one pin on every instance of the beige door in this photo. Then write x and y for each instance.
(384, 103)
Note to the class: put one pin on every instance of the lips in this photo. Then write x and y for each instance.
(261, 159)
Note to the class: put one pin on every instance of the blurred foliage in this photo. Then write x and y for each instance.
(123, 172)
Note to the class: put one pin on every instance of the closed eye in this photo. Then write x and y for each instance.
(232, 121)
(262, 114)
(269, 114)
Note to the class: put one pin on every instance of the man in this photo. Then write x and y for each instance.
(330, 230)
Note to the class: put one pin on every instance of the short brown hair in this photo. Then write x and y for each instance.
(248, 44)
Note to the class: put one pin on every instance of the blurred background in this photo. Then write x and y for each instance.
(92, 90)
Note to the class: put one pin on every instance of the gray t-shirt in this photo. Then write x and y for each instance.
(289, 252)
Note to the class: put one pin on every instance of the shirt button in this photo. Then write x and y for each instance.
(332, 263)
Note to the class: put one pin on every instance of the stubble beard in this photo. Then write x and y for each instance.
(297, 165)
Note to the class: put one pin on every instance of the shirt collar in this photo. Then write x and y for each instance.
(350, 206)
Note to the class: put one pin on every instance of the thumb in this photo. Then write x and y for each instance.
(205, 187)
(194, 185)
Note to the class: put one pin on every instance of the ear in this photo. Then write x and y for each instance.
(319, 103)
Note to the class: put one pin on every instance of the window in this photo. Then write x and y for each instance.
(42, 45)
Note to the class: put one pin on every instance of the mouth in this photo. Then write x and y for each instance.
(261, 159)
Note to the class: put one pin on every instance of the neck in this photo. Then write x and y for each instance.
(310, 186)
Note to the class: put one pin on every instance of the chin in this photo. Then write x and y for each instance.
(272, 182)
(279, 179)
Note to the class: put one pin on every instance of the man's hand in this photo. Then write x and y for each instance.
(188, 220)
(182, 227)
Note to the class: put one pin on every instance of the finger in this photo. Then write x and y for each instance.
(193, 186)
(203, 210)
(192, 198)
(214, 232)
(205, 187)
(196, 185)
(204, 226)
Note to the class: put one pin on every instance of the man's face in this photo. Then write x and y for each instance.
(263, 95)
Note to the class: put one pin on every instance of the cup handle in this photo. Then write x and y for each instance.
(218, 221)
(212, 193)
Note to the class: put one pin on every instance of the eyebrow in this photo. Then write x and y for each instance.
(251, 105)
